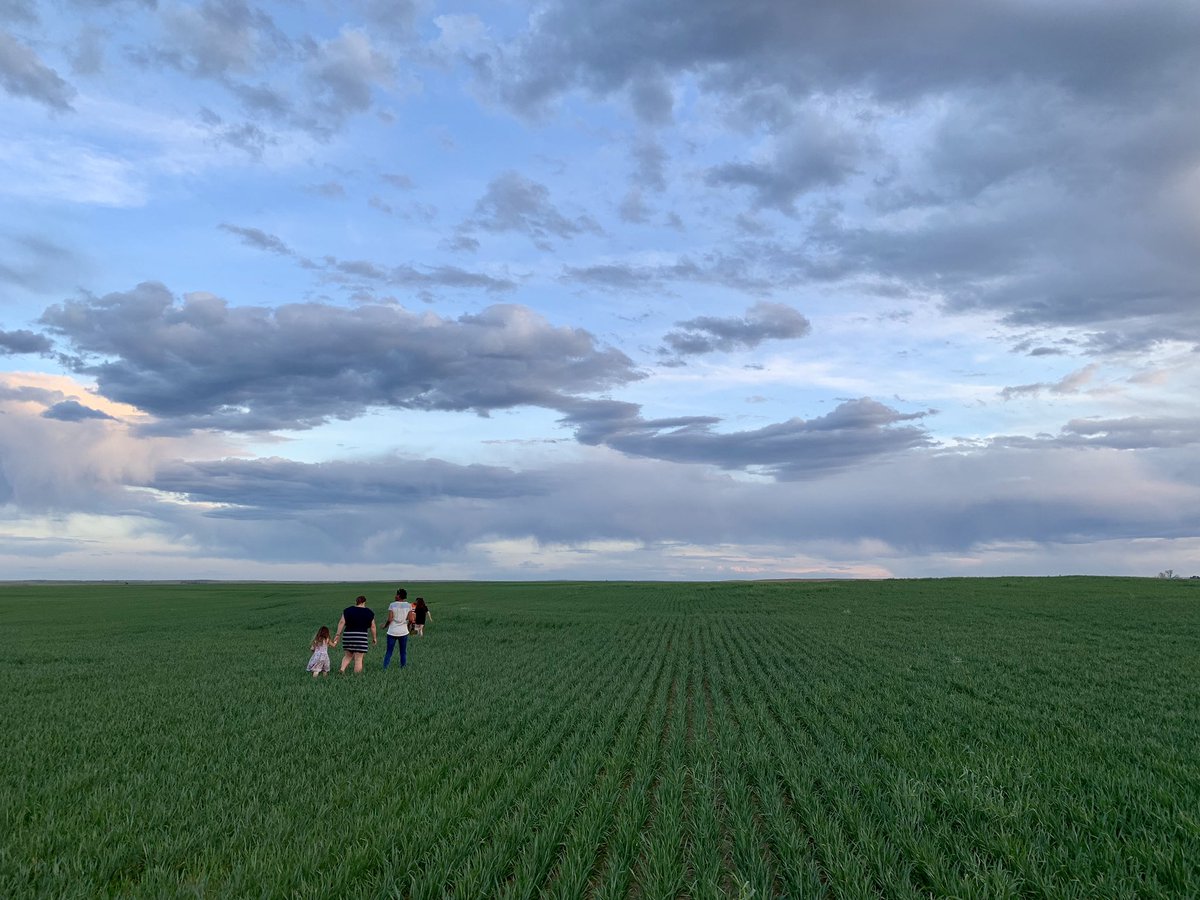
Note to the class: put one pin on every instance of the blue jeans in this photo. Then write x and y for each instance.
(391, 645)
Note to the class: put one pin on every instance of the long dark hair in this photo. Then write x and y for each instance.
(322, 635)
(421, 603)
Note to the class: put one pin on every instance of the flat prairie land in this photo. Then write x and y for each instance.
(1008, 737)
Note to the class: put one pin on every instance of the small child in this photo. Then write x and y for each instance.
(319, 661)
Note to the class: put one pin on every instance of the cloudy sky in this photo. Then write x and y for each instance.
(604, 290)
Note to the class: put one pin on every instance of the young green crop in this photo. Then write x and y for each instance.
(970, 737)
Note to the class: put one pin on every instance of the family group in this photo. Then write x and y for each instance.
(357, 624)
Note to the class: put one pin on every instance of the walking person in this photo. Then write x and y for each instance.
(421, 616)
(357, 622)
(399, 613)
(318, 663)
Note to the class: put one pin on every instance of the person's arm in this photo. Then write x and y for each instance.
(341, 625)
(391, 615)
(374, 639)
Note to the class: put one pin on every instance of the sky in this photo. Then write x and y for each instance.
(682, 289)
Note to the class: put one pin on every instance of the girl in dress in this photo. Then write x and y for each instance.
(319, 662)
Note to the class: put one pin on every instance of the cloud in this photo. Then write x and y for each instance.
(23, 74)
(984, 158)
(73, 411)
(260, 240)
(352, 271)
(218, 38)
(762, 321)
(815, 154)
(343, 74)
(857, 430)
(204, 364)
(895, 505)
(515, 203)
(22, 11)
(22, 341)
(1071, 383)
(355, 272)
(897, 51)
(755, 269)
(1133, 432)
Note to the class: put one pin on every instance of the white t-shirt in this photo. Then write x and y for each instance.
(399, 610)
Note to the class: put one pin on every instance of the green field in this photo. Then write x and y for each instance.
(972, 738)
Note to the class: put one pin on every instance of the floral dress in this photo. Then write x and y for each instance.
(319, 661)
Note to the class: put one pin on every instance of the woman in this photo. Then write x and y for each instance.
(396, 628)
(356, 621)
(421, 613)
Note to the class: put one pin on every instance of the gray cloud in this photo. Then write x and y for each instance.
(814, 154)
(22, 341)
(349, 272)
(1072, 383)
(329, 189)
(1044, 163)
(35, 263)
(342, 75)
(650, 165)
(762, 321)
(87, 56)
(919, 502)
(515, 203)
(73, 411)
(279, 485)
(1136, 432)
(22, 11)
(23, 74)
(205, 364)
(260, 240)
(856, 431)
(400, 182)
(894, 50)
(352, 273)
(218, 38)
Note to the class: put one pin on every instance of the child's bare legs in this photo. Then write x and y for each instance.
(316, 672)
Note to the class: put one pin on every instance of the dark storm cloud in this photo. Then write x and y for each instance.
(23, 341)
(23, 74)
(762, 321)
(73, 411)
(515, 203)
(204, 364)
(260, 240)
(856, 431)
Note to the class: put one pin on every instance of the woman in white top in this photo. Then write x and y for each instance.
(397, 627)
